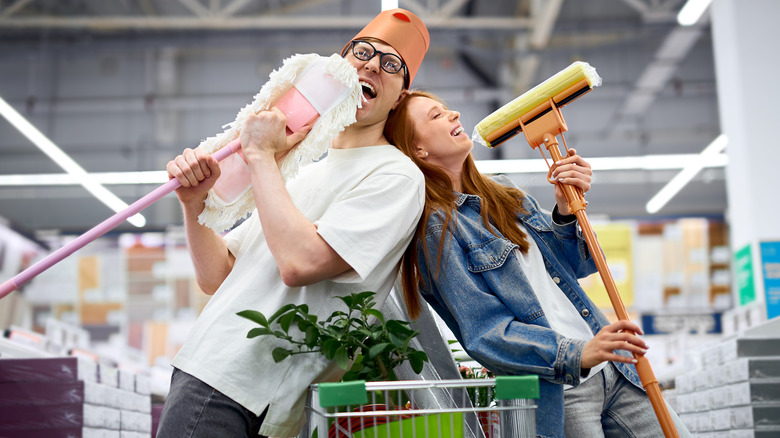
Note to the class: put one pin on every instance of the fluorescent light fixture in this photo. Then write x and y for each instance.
(537, 165)
(692, 11)
(105, 178)
(63, 160)
(687, 174)
(389, 4)
(641, 162)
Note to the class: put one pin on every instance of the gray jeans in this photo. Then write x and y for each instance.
(194, 409)
(608, 405)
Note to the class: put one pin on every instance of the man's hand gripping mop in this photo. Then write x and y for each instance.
(537, 113)
(304, 88)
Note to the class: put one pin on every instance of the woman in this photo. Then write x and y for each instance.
(503, 275)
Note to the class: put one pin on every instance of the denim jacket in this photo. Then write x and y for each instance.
(484, 297)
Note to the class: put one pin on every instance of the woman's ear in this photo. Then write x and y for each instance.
(401, 97)
(421, 154)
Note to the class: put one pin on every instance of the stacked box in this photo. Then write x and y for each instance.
(69, 397)
(736, 348)
(735, 392)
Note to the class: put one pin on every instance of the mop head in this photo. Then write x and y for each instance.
(220, 215)
(553, 87)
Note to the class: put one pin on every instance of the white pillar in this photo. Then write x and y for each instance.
(746, 41)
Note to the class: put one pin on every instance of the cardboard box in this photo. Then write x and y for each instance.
(47, 370)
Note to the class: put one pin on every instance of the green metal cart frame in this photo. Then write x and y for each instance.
(468, 408)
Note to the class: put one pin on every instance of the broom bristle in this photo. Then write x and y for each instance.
(534, 97)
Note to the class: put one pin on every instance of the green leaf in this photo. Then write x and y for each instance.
(377, 349)
(399, 328)
(336, 314)
(258, 331)
(254, 315)
(416, 363)
(364, 297)
(311, 337)
(286, 320)
(279, 354)
(303, 308)
(342, 358)
(329, 348)
(421, 354)
(409, 339)
(348, 300)
(398, 342)
(279, 312)
(305, 324)
(377, 314)
(364, 333)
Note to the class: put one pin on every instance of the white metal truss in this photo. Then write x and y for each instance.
(214, 17)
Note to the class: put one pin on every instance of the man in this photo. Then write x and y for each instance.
(340, 227)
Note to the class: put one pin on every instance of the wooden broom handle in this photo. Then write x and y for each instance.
(575, 199)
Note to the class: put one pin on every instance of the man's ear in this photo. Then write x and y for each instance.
(401, 97)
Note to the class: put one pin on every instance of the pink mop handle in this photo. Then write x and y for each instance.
(104, 227)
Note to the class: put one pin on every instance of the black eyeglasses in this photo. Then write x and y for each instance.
(390, 62)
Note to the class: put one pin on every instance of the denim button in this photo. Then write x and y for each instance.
(557, 280)
(585, 312)
(569, 377)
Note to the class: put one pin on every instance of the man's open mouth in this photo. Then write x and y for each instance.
(368, 90)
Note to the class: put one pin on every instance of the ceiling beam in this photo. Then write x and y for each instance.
(233, 7)
(117, 23)
(196, 8)
(449, 9)
(656, 11)
(544, 15)
(7, 12)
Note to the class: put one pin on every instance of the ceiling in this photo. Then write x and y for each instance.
(124, 86)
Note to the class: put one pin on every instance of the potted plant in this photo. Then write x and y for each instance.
(359, 339)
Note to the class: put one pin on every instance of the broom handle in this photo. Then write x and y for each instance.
(103, 227)
(649, 382)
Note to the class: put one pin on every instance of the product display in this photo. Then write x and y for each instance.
(737, 391)
(71, 397)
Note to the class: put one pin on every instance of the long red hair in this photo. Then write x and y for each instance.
(499, 208)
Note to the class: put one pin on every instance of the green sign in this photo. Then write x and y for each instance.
(743, 267)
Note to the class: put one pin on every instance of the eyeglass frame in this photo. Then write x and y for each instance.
(351, 48)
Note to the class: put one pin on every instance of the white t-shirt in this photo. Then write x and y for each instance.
(365, 203)
(563, 317)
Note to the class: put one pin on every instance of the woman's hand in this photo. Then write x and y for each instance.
(616, 336)
(573, 170)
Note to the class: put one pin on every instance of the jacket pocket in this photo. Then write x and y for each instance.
(488, 255)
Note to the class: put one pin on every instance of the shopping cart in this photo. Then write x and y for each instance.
(471, 408)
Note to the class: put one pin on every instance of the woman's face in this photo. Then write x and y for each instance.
(439, 137)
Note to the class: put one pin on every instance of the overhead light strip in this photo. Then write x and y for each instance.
(66, 163)
(106, 178)
(710, 153)
(644, 162)
(389, 4)
(692, 11)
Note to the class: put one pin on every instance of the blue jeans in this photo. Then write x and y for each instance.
(608, 405)
(195, 409)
